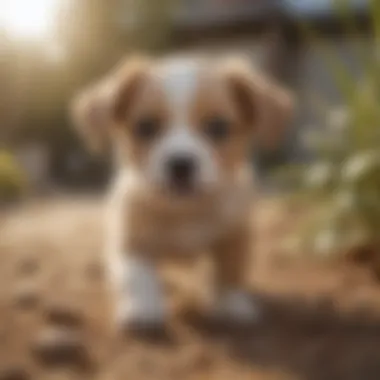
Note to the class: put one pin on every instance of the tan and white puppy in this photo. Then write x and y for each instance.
(181, 131)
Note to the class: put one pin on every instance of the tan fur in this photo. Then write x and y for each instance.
(232, 255)
(267, 105)
(96, 109)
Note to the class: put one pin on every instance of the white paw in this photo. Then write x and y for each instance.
(237, 306)
(142, 301)
(134, 313)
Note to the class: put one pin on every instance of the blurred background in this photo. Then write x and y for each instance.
(317, 256)
(51, 48)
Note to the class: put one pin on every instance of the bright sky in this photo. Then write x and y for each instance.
(320, 5)
(27, 19)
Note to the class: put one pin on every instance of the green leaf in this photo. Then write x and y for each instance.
(319, 176)
(361, 167)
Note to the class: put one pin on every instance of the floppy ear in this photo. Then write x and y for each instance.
(263, 105)
(98, 109)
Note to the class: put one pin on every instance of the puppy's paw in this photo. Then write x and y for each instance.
(136, 314)
(237, 307)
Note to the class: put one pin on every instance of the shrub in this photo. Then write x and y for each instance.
(12, 179)
(344, 179)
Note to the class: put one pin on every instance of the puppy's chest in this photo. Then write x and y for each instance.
(188, 231)
(185, 235)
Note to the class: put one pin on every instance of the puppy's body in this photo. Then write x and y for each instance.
(164, 227)
(181, 133)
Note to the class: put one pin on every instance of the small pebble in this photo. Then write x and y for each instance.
(55, 347)
(65, 316)
(14, 373)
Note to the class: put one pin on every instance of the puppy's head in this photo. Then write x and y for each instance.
(183, 126)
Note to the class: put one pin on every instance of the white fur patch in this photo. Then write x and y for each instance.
(141, 300)
(179, 80)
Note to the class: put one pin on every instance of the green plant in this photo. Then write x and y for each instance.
(344, 179)
(12, 179)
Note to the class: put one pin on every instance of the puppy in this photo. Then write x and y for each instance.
(181, 131)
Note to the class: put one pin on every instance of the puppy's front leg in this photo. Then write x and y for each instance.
(231, 255)
(139, 295)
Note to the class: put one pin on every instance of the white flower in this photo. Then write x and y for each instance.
(319, 175)
(338, 119)
(357, 166)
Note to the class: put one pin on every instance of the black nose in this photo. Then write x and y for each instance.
(181, 169)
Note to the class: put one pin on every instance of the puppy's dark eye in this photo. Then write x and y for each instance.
(217, 128)
(147, 129)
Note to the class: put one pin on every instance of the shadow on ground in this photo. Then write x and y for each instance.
(311, 341)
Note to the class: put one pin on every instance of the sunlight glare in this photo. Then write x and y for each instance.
(27, 19)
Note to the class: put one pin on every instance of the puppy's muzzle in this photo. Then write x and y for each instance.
(181, 173)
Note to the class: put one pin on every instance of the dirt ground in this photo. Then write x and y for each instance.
(319, 322)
